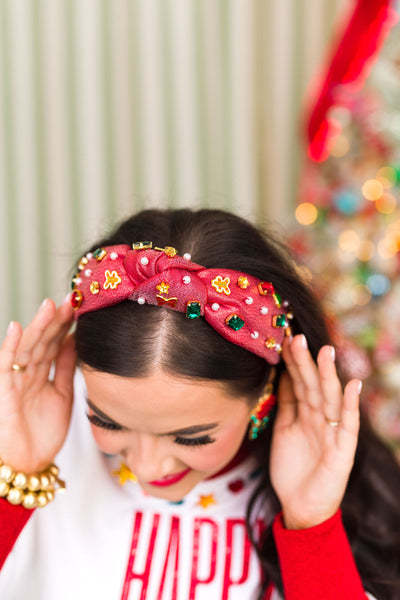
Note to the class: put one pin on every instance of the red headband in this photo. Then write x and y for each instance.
(244, 310)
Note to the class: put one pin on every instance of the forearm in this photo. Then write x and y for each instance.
(317, 562)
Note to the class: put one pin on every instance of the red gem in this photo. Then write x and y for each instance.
(76, 299)
(236, 486)
(265, 288)
(265, 407)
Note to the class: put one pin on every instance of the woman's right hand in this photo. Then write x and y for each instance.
(34, 411)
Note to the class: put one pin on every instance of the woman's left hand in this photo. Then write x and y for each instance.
(315, 436)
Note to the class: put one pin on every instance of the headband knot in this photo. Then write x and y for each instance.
(243, 309)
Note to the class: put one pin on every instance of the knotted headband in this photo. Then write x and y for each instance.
(243, 309)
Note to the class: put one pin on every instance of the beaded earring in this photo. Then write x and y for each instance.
(261, 413)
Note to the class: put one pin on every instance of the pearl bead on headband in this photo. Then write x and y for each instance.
(243, 309)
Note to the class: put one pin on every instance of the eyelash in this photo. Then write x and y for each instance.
(181, 441)
(94, 419)
(201, 441)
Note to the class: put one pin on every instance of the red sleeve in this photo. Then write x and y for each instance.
(12, 521)
(317, 562)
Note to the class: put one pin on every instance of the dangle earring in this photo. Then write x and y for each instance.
(260, 415)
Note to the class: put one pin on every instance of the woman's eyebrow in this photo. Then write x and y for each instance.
(101, 414)
(191, 430)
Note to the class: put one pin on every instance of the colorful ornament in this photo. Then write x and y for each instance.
(168, 250)
(99, 254)
(270, 342)
(76, 299)
(243, 283)
(193, 310)
(162, 301)
(279, 321)
(234, 322)
(265, 288)
(112, 280)
(221, 285)
(82, 263)
(278, 299)
(163, 287)
(260, 415)
(95, 287)
(142, 245)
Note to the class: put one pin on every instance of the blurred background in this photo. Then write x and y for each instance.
(109, 106)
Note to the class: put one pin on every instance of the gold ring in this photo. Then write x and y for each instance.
(18, 368)
(333, 423)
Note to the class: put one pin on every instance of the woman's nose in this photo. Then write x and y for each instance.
(147, 459)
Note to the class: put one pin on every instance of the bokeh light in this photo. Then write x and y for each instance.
(388, 246)
(387, 176)
(361, 294)
(349, 241)
(379, 284)
(372, 189)
(386, 204)
(366, 251)
(306, 213)
(347, 200)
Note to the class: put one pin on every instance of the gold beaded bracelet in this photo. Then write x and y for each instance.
(32, 491)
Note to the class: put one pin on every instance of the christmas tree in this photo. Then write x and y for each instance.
(348, 215)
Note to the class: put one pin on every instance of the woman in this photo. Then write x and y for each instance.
(179, 353)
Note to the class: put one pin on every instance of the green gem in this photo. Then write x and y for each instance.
(99, 254)
(193, 310)
(235, 322)
(142, 245)
(279, 321)
(278, 300)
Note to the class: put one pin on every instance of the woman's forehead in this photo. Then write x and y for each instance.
(160, 395)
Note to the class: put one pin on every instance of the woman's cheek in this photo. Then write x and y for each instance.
(212, 457)
(106, 440)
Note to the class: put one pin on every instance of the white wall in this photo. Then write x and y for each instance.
(107, 106)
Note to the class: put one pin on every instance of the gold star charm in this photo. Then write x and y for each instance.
(125, 474)
(163, 287)
(206, 501)
(221, 285)
(112, 280)
(243, 282)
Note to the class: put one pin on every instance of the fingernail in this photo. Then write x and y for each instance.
(303, 340)
(360, 384)
(10, 327)
(67, 299)
(42, 305)
(333, 354)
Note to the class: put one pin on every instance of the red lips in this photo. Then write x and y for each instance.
(170, 479)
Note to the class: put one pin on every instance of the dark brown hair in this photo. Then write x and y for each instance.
(131, 340)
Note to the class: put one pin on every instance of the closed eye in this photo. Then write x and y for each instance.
(95, 420)
(182, 441)
(201, 441)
